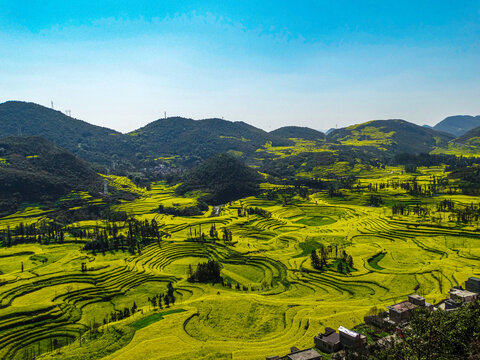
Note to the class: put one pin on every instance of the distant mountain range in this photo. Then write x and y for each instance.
(458, 125)
(195, 140)
(174, 136)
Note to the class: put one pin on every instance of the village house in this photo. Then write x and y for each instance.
(401, 312)
(473, 285)
(461, 295)
(351, 339)
(328, 342)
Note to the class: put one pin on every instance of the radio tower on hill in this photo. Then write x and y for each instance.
(105, 187)
(105, 183)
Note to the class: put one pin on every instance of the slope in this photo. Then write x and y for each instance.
(472, 137)
(90, 142)
(299, 132)
(33, 169)
(200, 139)
(394, 136)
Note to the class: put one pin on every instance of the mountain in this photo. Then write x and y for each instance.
(458, 125)
(90, 142)
(191, 140)
(472, 137)
(223, 178)
(200, 139)
(395, 136)
(33, 169)
(300, 132)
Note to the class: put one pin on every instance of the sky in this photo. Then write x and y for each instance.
(321, 64)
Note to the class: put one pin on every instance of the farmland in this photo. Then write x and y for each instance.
(57, 299)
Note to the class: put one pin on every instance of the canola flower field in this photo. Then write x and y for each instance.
(272, 298)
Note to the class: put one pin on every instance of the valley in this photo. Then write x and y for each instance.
(271, 297)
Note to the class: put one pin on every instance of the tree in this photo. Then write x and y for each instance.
(350, 261)
(340, 266)
(134, 308)
(315, 260)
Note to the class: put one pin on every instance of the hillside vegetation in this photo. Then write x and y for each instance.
(395, 136)
(299, 132)
(35, 170)
(223, 178)
(472, 137)
(202, 138)
(90, 142)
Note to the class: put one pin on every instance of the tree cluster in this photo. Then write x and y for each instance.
(206, 273)
(319, 259)
(223, 178)
(187, 211)
(140, 233)
(160, 299)
(120, 314)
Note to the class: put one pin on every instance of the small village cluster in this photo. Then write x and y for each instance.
(393, 320)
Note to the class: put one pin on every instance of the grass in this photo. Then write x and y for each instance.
(373, 261)
(149, 320)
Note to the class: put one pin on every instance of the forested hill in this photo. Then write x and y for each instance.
(90, 142)
(186, 138)
(472, 137)
(202, 138)
(299, 132)
(223, 178)
(396, 136)
(458, 125)
(33, 169)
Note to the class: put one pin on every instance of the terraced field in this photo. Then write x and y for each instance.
(271, 298)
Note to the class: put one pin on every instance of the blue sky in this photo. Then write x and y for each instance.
(320, 64)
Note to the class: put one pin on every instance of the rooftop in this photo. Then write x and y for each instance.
(462, 293)
(331, 338)
(348, 332)
(308, 354)
(402, 307)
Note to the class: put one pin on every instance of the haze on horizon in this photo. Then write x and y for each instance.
(271, 63)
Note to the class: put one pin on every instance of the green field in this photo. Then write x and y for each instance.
(271, 299)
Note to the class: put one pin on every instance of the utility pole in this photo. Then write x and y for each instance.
(52, 103)
(165, 114)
